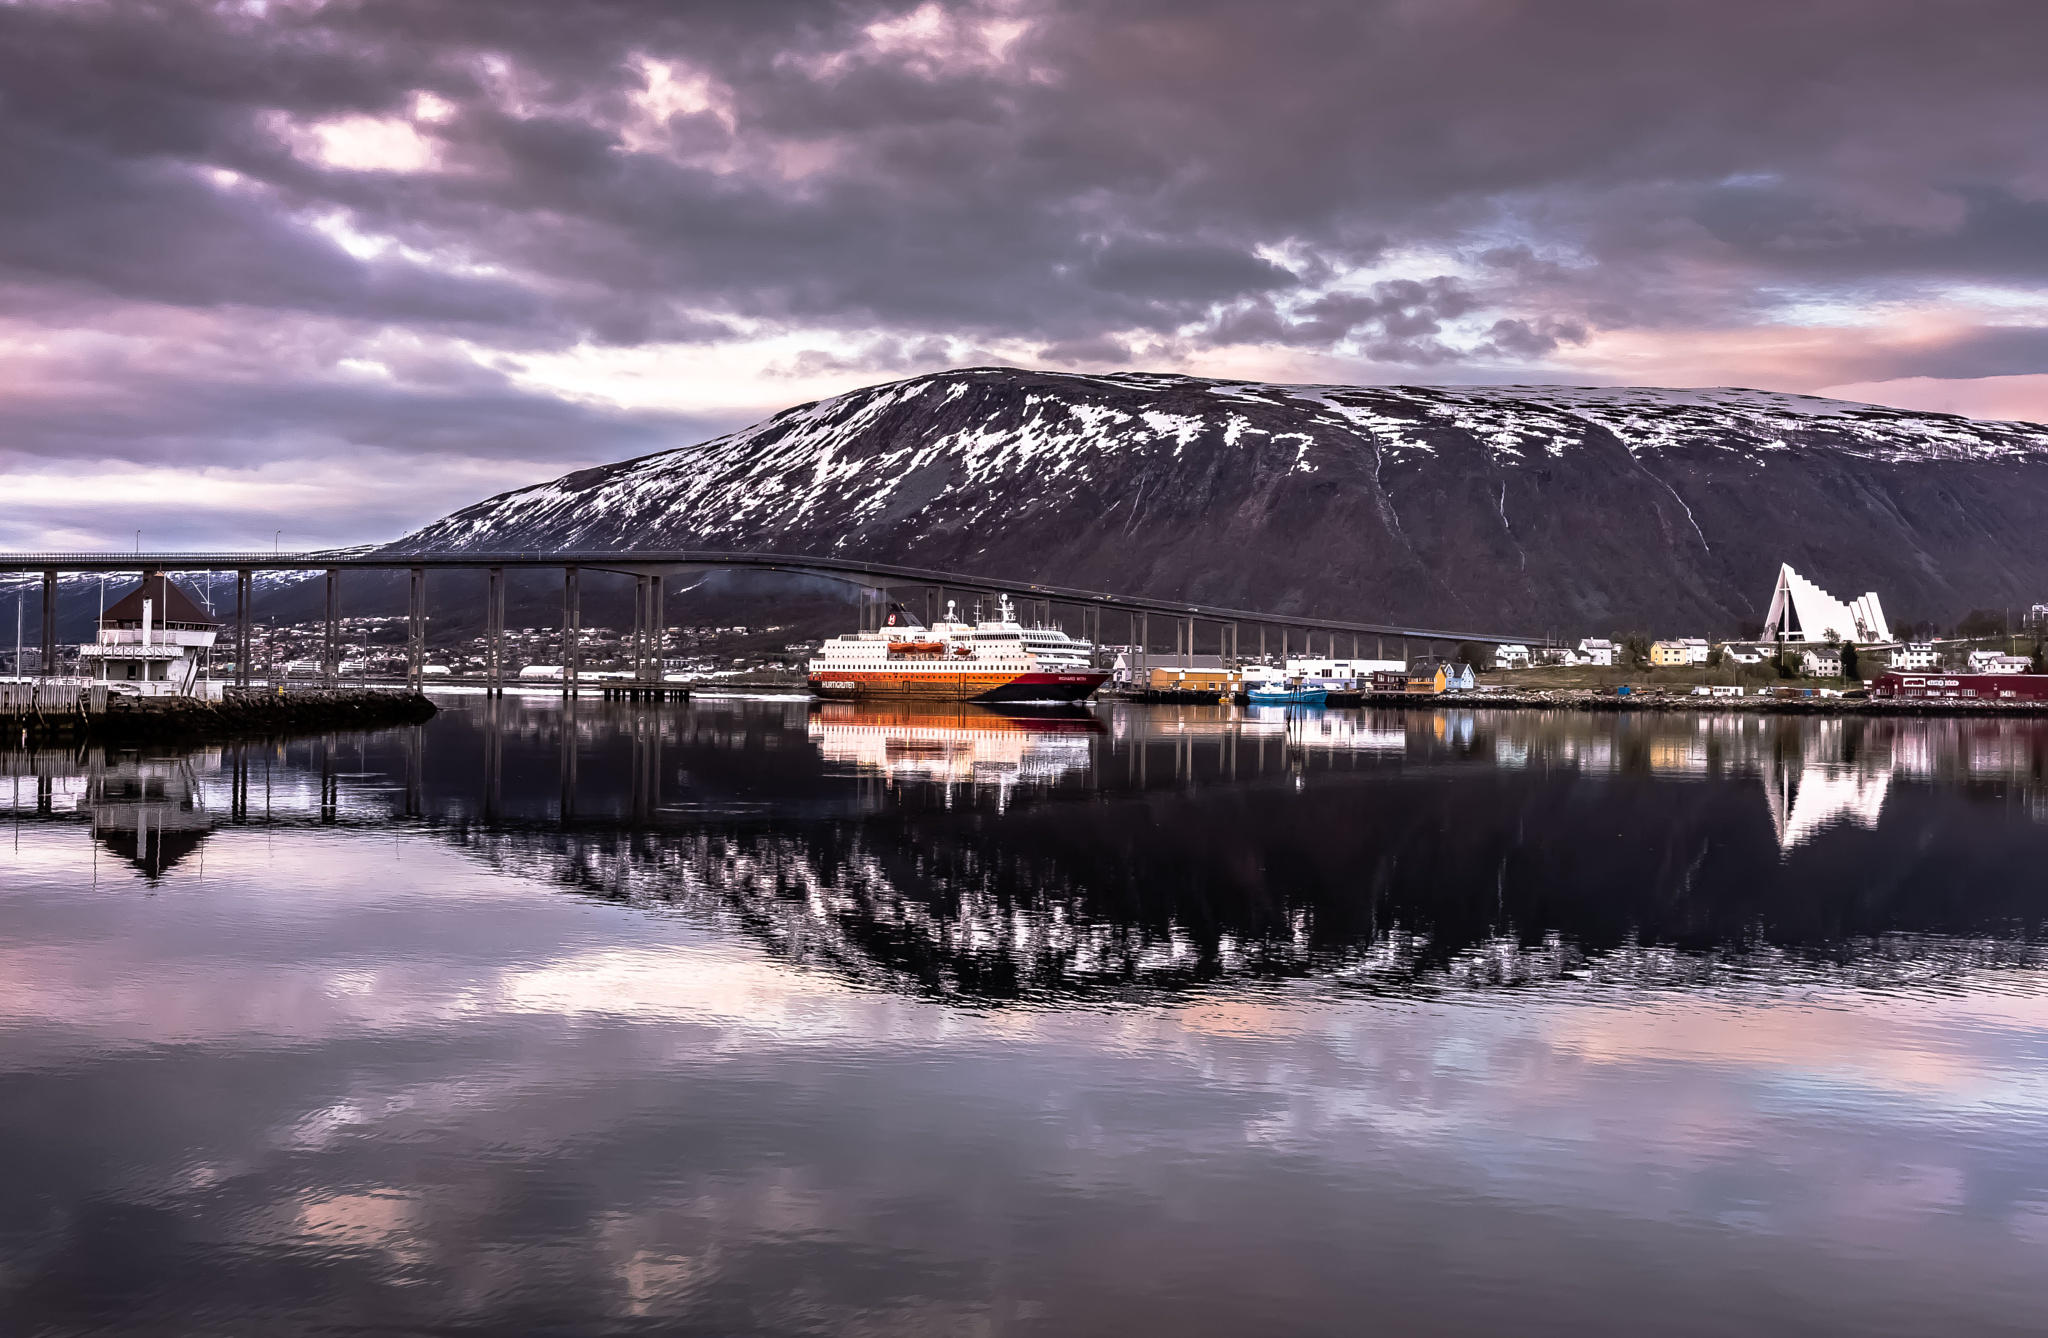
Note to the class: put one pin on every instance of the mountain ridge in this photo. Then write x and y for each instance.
(1589, 508)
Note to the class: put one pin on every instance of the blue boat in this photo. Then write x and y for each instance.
(1275, 694)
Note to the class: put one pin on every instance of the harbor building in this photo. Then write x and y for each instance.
(1961, 687)
(154, 641)
(1803, 612)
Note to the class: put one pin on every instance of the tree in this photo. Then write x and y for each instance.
(1851, 669)
(1479, 656)
(1978, 624)
(1715, 656)
(2040, 664)
(1635, 648)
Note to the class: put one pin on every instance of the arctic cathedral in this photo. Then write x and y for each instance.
(1802, 611)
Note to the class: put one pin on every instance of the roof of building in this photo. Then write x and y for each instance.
(172, 604)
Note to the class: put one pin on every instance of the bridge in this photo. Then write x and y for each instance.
(878, 582)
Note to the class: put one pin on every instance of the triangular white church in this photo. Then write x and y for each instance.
(1802, 611)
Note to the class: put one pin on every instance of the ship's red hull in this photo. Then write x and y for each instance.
(962, 685)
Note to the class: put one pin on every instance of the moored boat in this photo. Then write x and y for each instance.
(987, 660)
(1280, 694)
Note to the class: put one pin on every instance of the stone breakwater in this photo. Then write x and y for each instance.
(240, 713)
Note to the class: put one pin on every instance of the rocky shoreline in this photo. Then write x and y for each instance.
(1587, 699)
(240, 714)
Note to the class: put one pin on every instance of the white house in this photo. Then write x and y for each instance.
(2007, 664)
(1821, 662)
(1696, 649)
(1803, 612)
(1339, 675)
(1597, 650)
(154, 641)
(1741, 653)
(1511, 656)
(1914, 657)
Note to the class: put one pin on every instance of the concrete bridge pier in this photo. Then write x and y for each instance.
(245, 582)
(572, 634)
(416, 630)
(330, 645)
(49, 665)
(494, 627)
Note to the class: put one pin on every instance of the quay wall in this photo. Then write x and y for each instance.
(241, 712)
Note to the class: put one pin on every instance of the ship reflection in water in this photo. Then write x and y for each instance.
(957, 746)
(780, 1017)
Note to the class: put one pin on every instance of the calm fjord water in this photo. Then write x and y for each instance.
(756, 1017)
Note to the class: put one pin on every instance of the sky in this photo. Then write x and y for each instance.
(283, 272)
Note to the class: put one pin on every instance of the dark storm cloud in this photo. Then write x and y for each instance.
(1047, 185)
(167, 420)
(1441, 183)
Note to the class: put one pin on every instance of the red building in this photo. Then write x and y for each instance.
(1962, 687)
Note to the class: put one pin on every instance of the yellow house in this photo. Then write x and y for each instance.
(1669, 654)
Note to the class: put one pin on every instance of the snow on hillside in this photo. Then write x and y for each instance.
(867, 454)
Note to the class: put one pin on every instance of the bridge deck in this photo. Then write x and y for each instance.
(876, 575)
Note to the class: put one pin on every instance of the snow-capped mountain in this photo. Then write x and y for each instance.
(1518, 508)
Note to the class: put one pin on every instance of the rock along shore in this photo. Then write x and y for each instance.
(241, 713)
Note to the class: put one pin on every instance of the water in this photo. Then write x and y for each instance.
(750, 1017)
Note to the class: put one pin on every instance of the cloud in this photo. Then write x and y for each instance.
(1356, 189)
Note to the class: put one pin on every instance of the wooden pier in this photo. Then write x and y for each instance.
(623, 691)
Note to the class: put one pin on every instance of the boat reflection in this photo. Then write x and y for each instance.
(962, 748)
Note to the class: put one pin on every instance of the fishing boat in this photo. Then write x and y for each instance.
(987, 660)
(1280, 694)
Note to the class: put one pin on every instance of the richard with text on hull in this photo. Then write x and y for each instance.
(998, 660)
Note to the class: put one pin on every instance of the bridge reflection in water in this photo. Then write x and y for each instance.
(986, 857)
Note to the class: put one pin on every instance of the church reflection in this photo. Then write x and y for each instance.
(983, 856)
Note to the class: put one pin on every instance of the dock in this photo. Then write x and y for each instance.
(36, 713)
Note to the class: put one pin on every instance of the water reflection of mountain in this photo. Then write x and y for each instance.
(984, 858)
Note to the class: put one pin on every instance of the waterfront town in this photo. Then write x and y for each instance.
(160, 638)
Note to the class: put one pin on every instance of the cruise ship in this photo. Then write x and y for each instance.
(982, 661)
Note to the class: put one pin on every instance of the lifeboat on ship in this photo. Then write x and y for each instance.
(917, 647)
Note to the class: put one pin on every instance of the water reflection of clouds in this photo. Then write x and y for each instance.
(631, 1115)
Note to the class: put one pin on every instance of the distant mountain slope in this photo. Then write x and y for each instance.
(1523, 507)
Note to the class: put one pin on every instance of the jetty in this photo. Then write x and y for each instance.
(41, 712)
